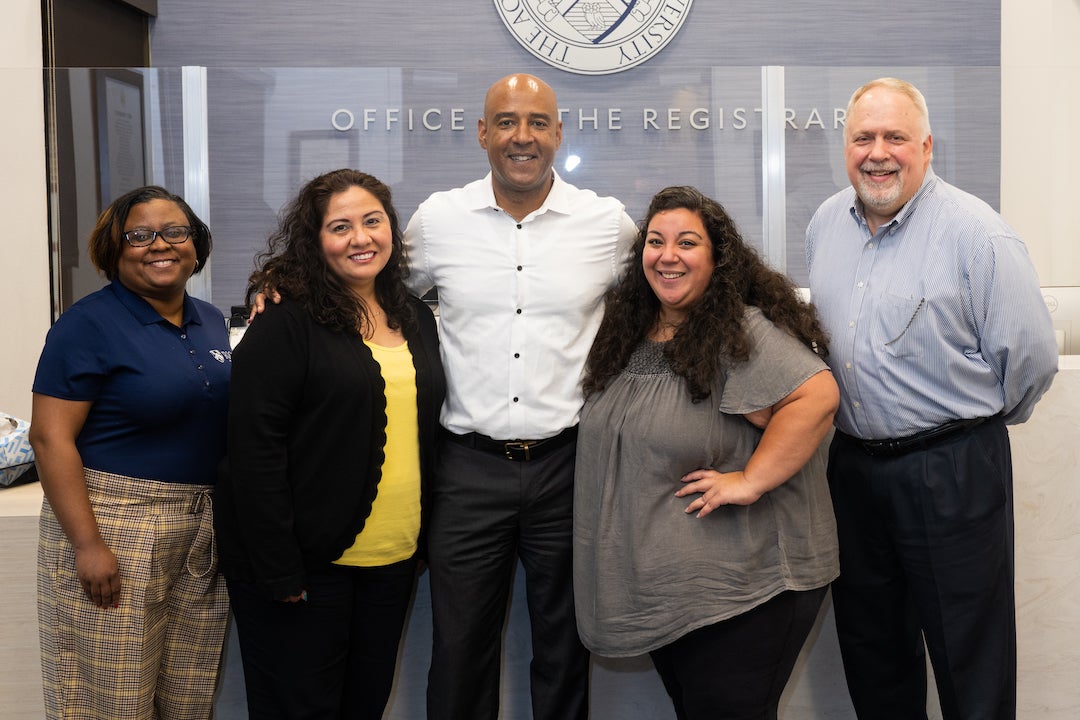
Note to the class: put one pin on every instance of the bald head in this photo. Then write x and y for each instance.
(522, 85)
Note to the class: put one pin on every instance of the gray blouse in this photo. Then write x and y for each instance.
(645, 572)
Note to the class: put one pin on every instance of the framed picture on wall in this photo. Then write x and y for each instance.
(313, 152)
(121, 132)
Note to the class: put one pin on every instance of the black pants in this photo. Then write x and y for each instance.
(487, 512)
(926, 544)
(330, 657)
(737, 669)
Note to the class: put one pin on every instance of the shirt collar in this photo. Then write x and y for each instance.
(929, 180)
(557, 200)
(145, 313)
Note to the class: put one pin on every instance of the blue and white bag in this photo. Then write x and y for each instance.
(16, 455)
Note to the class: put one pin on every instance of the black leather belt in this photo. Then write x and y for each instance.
(922, 440)
(516, 450)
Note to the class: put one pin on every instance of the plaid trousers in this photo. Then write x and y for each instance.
(157, 655)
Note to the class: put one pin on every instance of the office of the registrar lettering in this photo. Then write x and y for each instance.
(647, 119)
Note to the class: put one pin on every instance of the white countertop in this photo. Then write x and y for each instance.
(1068, 362)
(25, 499)
(20, 500)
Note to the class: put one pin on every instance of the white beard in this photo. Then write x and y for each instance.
(880, 199)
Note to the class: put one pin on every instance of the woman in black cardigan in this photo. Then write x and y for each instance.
(333, 423)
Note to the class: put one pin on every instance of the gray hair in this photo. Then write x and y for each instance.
(900, 86)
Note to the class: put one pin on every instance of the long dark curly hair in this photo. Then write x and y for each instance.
(295, 266)
(712, 334)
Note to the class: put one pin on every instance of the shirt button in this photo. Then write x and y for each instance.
(855, 404)
(519, 268)
(198, 367)
(518, 311)
(183, 336)
(515, 399)
(851, 324)
(870, 245)
(847, 365)
(517, 355)
(519, 226)
(861, 284)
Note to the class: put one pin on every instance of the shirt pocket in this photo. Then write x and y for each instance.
(898, 324)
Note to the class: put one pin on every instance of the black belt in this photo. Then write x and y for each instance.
(922, 440)
(516, 450)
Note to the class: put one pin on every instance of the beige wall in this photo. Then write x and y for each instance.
(1040, 108)
(24, 248)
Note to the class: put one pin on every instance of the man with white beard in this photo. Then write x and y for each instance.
(939, 338)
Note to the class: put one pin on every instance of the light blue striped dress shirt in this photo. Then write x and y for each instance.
(937, 316)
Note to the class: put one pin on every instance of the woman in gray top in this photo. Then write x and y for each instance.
(703, 529)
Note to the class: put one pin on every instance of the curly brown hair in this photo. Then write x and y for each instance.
(712, 334)
(295, 266)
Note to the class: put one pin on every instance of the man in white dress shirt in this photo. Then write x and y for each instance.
(521, 261)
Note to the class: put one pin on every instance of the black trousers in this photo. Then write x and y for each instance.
(331, 657)
(926, 544)
(737, 669)
(486, 513)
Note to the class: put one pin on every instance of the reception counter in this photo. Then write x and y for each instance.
(1046, 459)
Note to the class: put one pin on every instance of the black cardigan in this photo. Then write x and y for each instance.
(307, 427)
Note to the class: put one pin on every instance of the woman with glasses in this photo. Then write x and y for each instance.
(128, 428)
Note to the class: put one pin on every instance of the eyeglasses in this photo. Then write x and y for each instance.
(173, 235)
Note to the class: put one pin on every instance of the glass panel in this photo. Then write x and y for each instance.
(273, 129)
(965, 122)
(111, 130)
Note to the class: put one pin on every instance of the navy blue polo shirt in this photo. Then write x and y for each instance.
(159, 392)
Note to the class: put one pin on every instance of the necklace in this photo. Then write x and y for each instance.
(664, 330)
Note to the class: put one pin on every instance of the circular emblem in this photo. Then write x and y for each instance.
(593, 38)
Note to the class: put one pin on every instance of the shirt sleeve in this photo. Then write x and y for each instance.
(419, 280)
(778, 364)
(809, 242)
(74, 362)
(1016, 334)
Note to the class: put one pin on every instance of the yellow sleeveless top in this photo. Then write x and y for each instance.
(391, 531)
